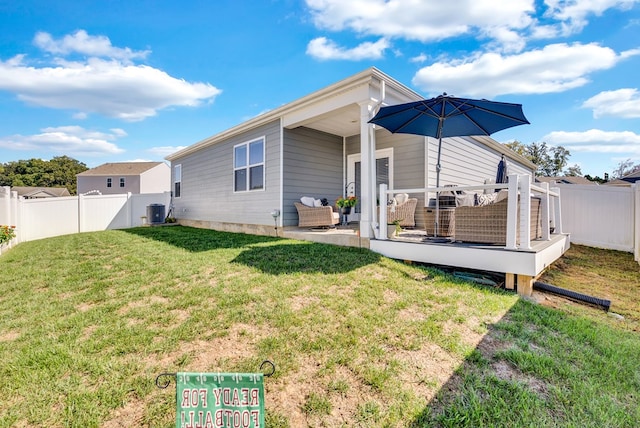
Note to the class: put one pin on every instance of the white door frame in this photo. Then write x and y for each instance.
(351, 171)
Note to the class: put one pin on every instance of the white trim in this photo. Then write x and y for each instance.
(247, 167)
(177, 178)
(351, 175)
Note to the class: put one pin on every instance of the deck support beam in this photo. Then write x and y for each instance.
(510, 281)
(525, 285)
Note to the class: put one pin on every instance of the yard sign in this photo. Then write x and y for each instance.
(220, 400)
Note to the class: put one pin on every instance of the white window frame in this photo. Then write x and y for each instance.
(249, 165)
(177, 179)
(109, 182)
(123, 183)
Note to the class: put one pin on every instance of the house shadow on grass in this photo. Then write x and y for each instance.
(302, 257)
(196, 240)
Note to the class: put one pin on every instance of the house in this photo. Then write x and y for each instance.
(566, 180)
(126, 177)
(322, 146)
(627, 180)
(40, 192)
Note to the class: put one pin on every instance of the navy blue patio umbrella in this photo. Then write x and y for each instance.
(447, 116)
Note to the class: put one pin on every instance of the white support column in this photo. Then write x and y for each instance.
(512, 209)
(383, 212)
(525, 212)
(368, 222)
(557, 208)
(544, 212)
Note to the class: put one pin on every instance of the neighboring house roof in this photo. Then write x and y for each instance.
(565, 180)
(627, 180)
(41, 192)
(119, 168)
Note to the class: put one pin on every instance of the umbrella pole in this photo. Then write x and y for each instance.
(435, 229)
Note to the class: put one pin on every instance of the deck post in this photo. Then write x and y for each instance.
(557, 211)
(383, 213)
(525, 285)
(525, 212)
(544, 214)
(512, 208)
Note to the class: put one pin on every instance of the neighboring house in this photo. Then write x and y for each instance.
(126, 177)
(40, 192)
(627, 180)
(565, 180)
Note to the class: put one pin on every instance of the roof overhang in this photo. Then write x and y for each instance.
(334, 109)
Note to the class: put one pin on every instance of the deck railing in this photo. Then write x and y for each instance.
(551, 218)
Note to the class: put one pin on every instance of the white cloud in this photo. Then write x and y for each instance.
(69, 140)
(165, 150)
(619, 103)
(419, 59)
(573, 14)
(111, 87)
(554, 68)
(325, 49)
(418, 19)
(596, 141)
(82, 43)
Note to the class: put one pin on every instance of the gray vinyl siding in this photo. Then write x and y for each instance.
(313, 166)
(207, 182)
(465, 161)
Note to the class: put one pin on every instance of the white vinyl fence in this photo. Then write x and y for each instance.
(47, 217)
(602, 216)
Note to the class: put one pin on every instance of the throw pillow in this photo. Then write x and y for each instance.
(401, 198)
(307, 200)
(486, 199)
(317, 203)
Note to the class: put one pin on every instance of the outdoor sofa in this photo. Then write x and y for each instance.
(488, 223)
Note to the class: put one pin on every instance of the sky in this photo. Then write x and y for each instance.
(120, 81)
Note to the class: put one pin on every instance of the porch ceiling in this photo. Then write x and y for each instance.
(344, 121)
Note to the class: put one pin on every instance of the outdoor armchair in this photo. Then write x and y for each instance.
(316, 216)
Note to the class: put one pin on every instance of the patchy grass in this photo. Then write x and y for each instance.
(87, 322)
(607, 274)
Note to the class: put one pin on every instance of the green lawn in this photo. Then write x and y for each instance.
(88, 321)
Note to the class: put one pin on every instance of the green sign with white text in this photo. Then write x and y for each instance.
(220, 400)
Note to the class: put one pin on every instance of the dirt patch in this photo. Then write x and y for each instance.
(505, 371)
(129, 415)
(426, 369)
(298, 303)
(9, 336)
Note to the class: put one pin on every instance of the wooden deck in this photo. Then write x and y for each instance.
(521, 267)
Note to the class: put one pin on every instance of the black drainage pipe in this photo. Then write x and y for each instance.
(603, 303)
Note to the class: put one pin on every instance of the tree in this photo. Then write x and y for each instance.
(58, 172)
(625, 167)
(549, 160)
(574, 171)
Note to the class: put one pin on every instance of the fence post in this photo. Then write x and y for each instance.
(129, 210)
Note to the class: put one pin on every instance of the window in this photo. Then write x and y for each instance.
(121, 181)
(248, 166)
(109, 182)
(177, 180)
